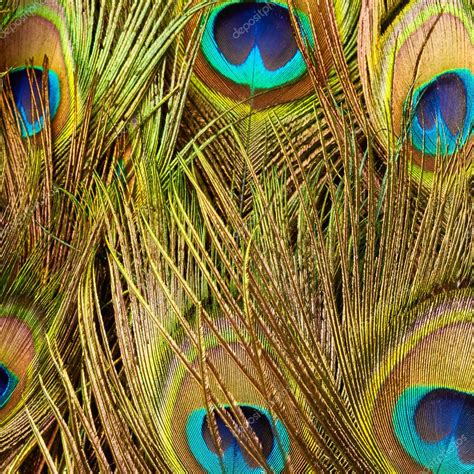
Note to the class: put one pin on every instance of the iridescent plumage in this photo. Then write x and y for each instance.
(417, 76)
(236, 236)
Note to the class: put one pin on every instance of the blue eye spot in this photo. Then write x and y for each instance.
(444, 113)
(235, 459)
(26, 85)
(253, 44)
(436, 427)
(8, 382)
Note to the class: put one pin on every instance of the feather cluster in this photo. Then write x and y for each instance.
(236, 236)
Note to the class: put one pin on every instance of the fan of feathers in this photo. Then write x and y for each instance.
(236, 236)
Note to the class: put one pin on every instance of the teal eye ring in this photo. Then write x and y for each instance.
(235, 459)
(252, 44)
(443, 111)
(22, 89)
(8, 383)
(435, 425)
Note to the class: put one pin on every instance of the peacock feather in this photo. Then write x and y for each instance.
(417, 77)
(19, 344)
(429, 398)
(243, 92)
(236, 236)
(42, 64)
(224, 416)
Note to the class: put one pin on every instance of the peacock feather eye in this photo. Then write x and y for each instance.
(27, 86)
(188, 426)
(253, 44)
(251, 53)
(423, 411)
(417, 70)
(8, 383)
(235, 459)
(444, 112)
(20, 337)
(437, 424)
(37, 35)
